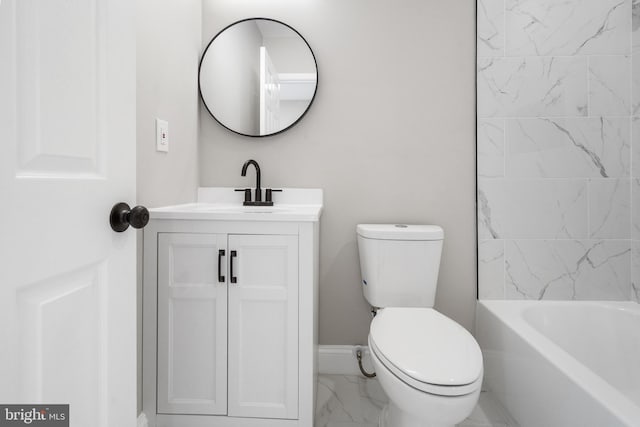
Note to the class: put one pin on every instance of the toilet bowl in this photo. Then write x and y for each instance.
(429, 366)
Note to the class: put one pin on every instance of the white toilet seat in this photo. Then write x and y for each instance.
(436, 389)
(427, 351)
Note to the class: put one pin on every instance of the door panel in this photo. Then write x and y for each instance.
(263, 327)
(269, 95)
(192, 325)
(73, 303)
(67, 281)
(60, 46)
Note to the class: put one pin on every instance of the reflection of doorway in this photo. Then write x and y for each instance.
(296, 93)
(269, 95)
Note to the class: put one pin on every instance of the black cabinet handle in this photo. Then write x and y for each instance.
(234, 279)
(221, 253)
(122, 216)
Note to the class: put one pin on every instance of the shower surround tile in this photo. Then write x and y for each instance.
(568, 269)
(635, 26)
(609, 85)
(609, 209)
(490, 209)
(532, 87)
(490, 28)
(566, 28)
(635, 271)
(491, 148)
(635, 209)
(568, 147)
(491, 269)
(559, 149)
(635, 60)
(635, 151)
(635, 84)
(532, 209)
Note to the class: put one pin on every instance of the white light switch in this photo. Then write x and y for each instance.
(162, 135)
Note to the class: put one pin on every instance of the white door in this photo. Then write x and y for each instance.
(263, 326)
(192, 324)
(67, 134)
(269, 95)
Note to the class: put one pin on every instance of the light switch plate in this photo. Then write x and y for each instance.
(162, 135)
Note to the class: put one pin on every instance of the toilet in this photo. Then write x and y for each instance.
(429, 366)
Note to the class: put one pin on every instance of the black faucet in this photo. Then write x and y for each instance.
(258, 197)
(247, 191)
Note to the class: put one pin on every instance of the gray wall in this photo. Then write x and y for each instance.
(168, 52)
(390, 138)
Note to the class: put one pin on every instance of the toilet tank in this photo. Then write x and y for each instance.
(399, 263)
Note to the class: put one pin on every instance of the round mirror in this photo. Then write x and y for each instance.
(258, 77)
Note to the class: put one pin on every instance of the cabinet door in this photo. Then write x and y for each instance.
(192, 324)
(263, 326)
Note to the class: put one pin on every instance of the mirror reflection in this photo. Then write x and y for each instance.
(258, 77)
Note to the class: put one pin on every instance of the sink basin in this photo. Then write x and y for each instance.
(293, 204)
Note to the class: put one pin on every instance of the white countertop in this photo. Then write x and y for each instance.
(223, 203)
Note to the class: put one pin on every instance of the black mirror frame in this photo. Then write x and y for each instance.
(310, 102)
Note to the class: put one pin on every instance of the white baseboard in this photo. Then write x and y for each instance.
(142, 420)
(341, 360)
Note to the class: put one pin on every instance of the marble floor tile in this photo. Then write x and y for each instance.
(345, 400)
(488, 413)
(354, 401)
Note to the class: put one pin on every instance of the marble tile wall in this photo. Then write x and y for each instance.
(558, 86)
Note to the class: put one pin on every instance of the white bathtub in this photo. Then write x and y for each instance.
(562, 364)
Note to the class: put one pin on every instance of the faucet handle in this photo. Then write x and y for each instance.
(269, 195)
(247, 194)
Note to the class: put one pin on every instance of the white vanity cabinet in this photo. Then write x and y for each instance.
(228, 325)
(230, 320)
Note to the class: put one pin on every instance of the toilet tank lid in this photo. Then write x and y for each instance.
(400, 232)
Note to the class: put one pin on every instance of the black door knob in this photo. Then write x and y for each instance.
(122, 216)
